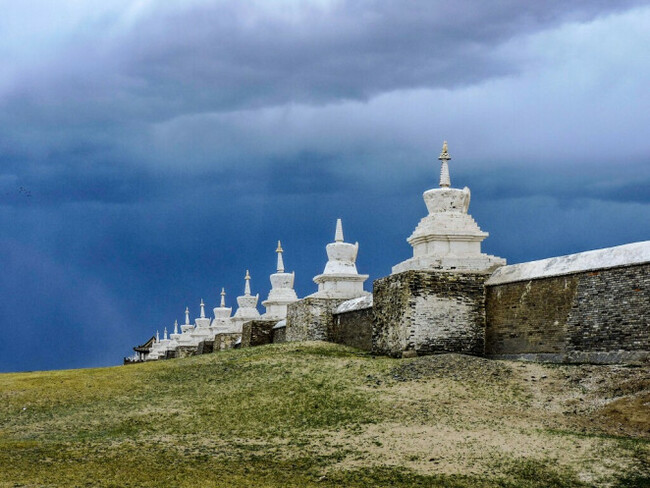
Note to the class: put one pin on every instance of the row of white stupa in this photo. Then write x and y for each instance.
(447, 239)
(340, 279)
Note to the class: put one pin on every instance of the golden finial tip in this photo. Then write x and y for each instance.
(445, 152)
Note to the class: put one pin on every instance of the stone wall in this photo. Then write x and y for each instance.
(257, 332)
(429, 312)
(592, 316)
(310, 319)
(225, 341)
(280, 334)
(185, 351)
(205, 347)
(353, 328)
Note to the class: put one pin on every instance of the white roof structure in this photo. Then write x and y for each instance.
(610, 257)
(359, 303)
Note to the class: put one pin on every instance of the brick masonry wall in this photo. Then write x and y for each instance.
(595, 316)
(279, 335)
(310, 319)
(353, 328)
(257, 333)
(185, 351)
(429, 312)
(225, 341)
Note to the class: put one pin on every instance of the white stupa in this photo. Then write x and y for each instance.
(160, 347)
(221, 321)
(173, 338)
(282, 292)
(186, 331)
(247, 307)
(448, 239)
(340, 279)
(202, 330)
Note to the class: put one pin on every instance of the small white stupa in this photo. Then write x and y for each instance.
(448, 239)
(173, 338)
(282, 292)
(221, 321)
(247, 307)
(186, 331)
(202, 330)
(160, 347)
(340, 279)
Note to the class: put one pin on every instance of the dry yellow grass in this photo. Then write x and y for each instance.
(318, 414)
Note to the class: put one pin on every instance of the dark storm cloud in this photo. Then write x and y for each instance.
(228, 55)
(628, 184)
(150, 155)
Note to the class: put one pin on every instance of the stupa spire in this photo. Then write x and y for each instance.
(445, 181)
(175, 326)
(280, 261)
(338, 237)
(223, 298)
(187, 316)
(202, 309)
(247, 286)
(165, 334)
(157, 336)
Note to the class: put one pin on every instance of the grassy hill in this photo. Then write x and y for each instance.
(322, 415)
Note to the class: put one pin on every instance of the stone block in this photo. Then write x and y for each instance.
(429, 312)
(279, 334)
(353, 328)
(257, 332)
(310, 319)
(593, 316)
(225, 341)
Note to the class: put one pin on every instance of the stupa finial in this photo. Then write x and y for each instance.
(445, 181)
(247, 287)
(187, 315)
(338, 237)
(202, 309)
(223, 298)
(165, 334)
(175, 326)
(280, 260)
(157, 336)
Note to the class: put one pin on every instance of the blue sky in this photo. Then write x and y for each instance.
(152, 151)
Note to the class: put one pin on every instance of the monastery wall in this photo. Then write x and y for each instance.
(353, 322)
(257, 333)
(429, 312)
(279, 334)
(310, 319)
(571, 308)
(225, 341)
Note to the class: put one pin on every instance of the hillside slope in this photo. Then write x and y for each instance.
(318, 414)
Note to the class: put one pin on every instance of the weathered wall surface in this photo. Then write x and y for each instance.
(594, 316)
(257, 333)
(529, 316)
(280, 335)
(225, 341)
(429, 312)
(205, 347)
(353, 328)
(310, 319)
